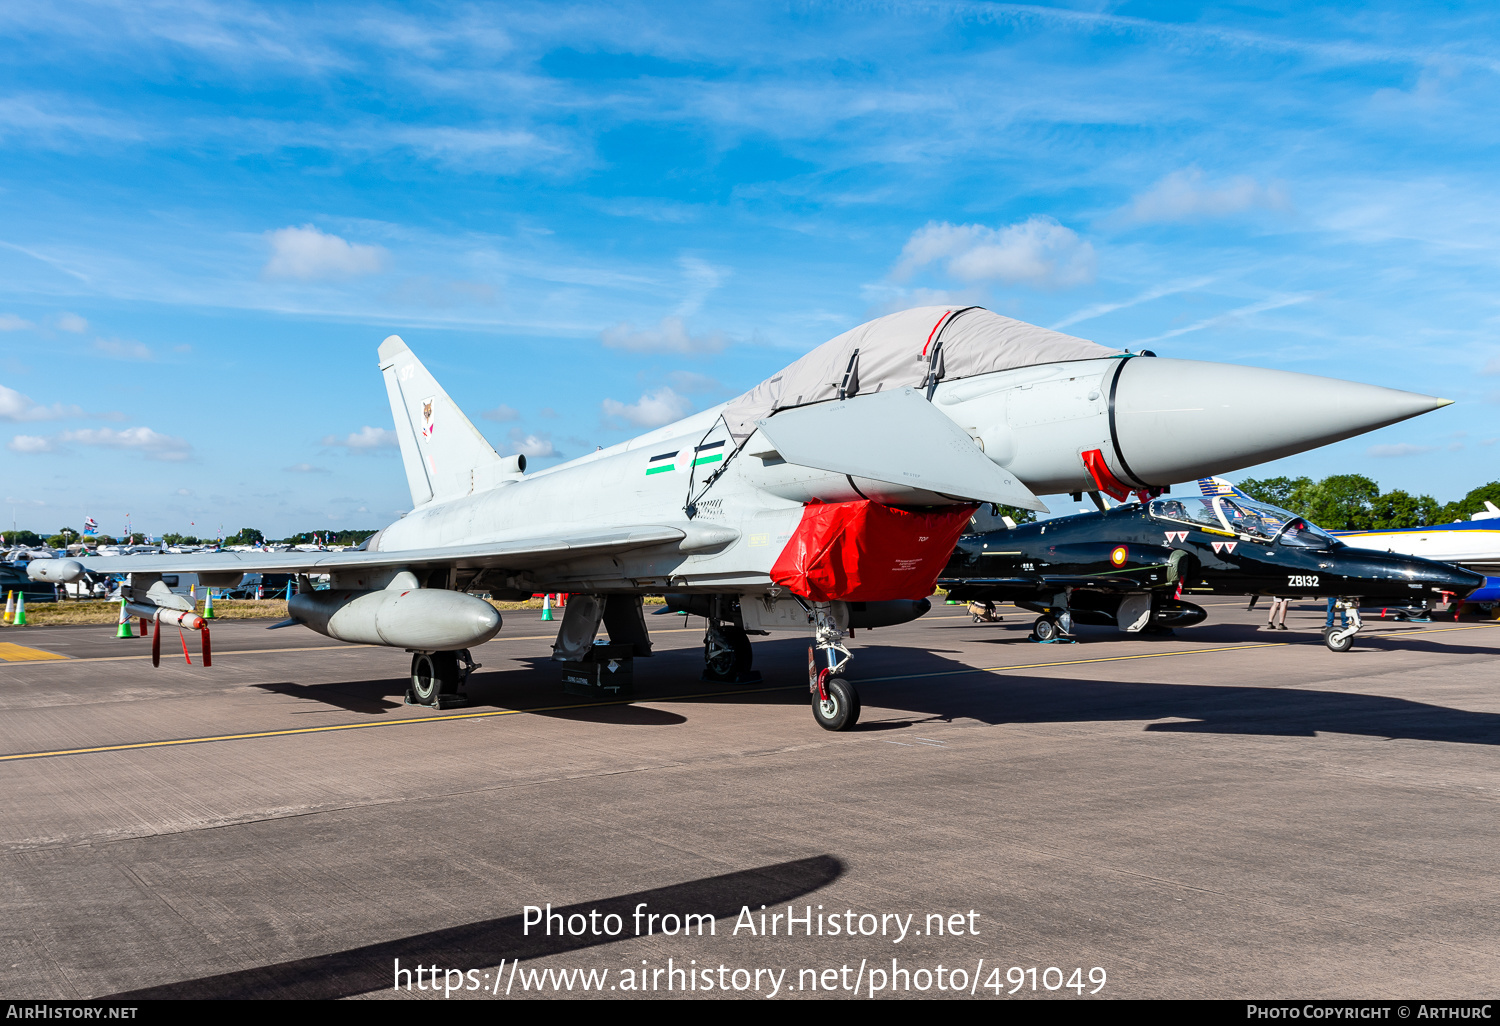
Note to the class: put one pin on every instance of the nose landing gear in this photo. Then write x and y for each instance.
(1341, 639)
(835, 702)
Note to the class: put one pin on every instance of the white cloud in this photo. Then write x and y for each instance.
(1186, 196)
(1037, 251)
(703, 278)
(153, 444)
(10, 322)
(31, 444)
(502, 413)
(306, 468)
(310, 255)
(1493, 367)
(1399, 449)
(653, 410)
(671, 336)
(1233, 315)
(123, 348)
(365, 438)
(1155, 292)
(18, 408)
(71, 322)
(687, 381)
(534, 446)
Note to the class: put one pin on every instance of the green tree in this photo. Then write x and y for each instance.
(63, 538)
(1343, 502)
(1471, 503)
(1398, 509)
(1020, 516)
(1290, 493)
(245, 536)
(22, 538)
(330, 537)
(172, 538)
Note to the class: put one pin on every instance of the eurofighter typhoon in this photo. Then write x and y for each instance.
(827, 497)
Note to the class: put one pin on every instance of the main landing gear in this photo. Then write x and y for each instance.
(835, 702)
(1341, 639)
(436, 678)
(1049, 629)
(727, 656)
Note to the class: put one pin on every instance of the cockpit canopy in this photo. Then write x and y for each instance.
(1262, 522)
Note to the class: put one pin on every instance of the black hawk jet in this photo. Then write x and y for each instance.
(1129, 566)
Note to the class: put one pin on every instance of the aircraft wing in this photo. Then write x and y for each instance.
(1111, 583)
(516, 554)
(1048, 583)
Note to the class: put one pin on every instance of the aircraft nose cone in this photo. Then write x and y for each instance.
(1457, 580)
(1176, 420)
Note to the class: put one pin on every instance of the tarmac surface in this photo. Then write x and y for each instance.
(1226, 812)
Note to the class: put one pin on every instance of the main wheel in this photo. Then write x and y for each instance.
(1045, 628)
(1337, 644)
(841, 710)
(733, 658)
(434, 674)
(426, 685)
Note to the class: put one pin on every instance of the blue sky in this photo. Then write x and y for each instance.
(589, 219)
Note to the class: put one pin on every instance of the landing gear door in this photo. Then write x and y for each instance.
(765, 613)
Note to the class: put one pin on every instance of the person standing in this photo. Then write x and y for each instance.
(1333, 604)
(1276, 616)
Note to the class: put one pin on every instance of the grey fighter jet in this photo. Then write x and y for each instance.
(827, 497)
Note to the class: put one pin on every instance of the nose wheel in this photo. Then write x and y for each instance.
(835, 702)
(1341, 639)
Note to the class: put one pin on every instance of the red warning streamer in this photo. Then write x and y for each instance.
(1104, 478)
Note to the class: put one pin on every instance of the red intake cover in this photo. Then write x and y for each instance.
(865, 552)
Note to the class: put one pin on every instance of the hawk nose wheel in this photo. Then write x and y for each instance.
(1341, 639)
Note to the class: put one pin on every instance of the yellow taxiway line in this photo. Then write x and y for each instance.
(665, 698)
(38, 655)
(13, 653)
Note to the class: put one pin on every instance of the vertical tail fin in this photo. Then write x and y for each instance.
(444, 454)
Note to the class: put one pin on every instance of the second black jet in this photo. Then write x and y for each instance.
(1129, 566)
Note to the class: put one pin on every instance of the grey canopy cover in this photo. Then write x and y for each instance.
(895, 351)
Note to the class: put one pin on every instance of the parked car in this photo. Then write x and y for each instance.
(260, 585)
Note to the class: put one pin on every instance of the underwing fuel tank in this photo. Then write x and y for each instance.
(423, 619)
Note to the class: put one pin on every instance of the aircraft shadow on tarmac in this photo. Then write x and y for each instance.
(1018, 697)
(484, 944)
(940, 689)
(358, 697)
